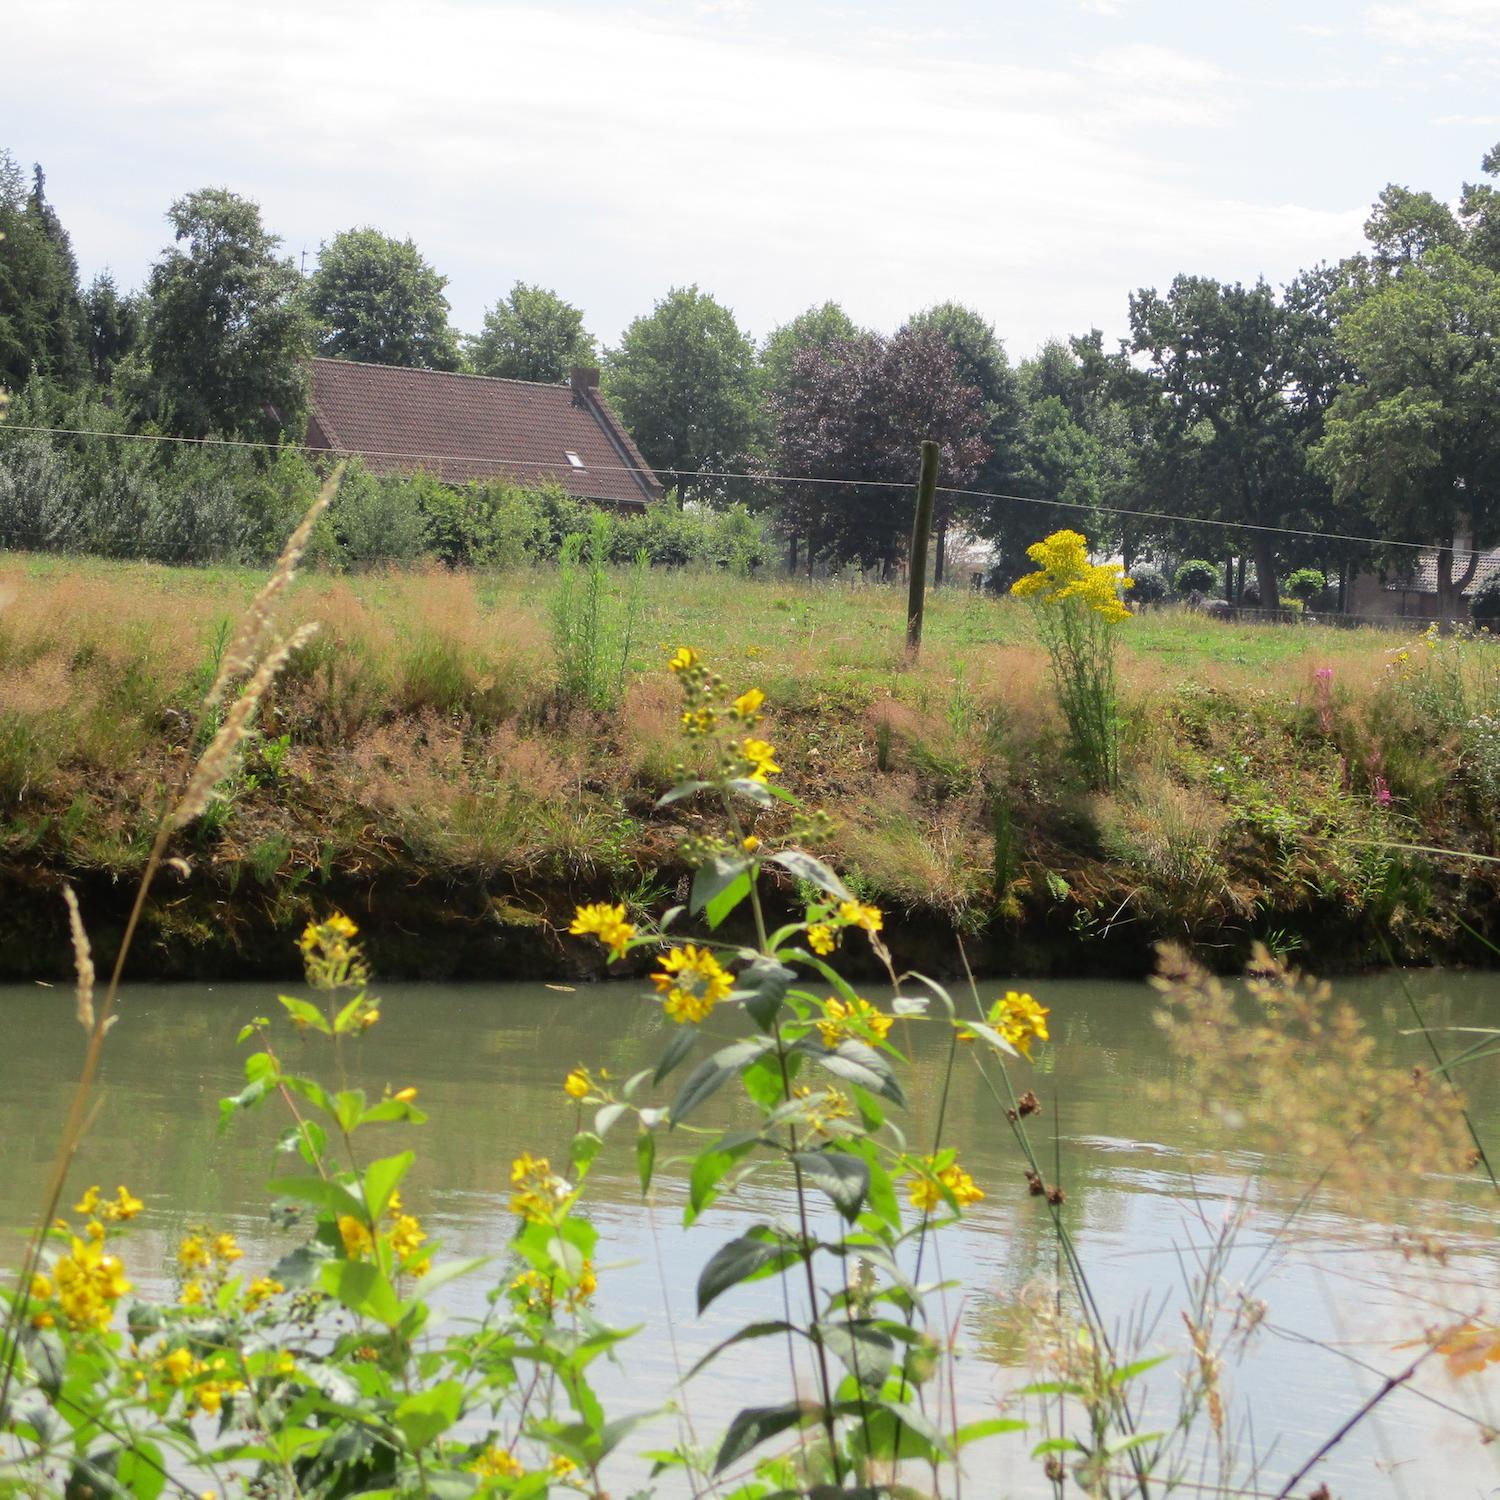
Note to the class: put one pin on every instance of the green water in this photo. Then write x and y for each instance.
(1148, 1182)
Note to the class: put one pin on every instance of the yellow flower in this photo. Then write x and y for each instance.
(576, 1085)
(404, 1096)
(176, 1366)
(683, 659)
(857, 914)
(192, 1294)
(193, 1254)
(125, 1205)
(89, 1203)
(699, 721)
(693, 983)
(496, 1463)
(559, 1464)
(588, 1282)
(821, 938)
(605, 922)
(356, 1237)
(749, 843)
(1064, 572)
(406, 1236)
(540, 1194)
(857, 1018)
(760, 759)
(925, 1190)
(747, 706)
(260, 1291)
(225, 1248)
(1020, 1020)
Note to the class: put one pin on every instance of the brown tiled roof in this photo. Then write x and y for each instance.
(464, 427)
(1421, 576)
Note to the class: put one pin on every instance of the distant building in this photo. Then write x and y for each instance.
(1410, 592)
(463, 427)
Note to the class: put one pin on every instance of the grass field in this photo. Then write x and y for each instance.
(419, 741)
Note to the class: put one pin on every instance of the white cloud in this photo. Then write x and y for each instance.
(1475, 122)
(1439, 25)
(1321, 32)
(612, 155)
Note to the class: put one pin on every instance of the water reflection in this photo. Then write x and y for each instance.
(1148, 1180)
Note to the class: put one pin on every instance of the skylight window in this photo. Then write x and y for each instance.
(573, 458)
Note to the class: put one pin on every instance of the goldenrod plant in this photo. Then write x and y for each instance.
(1079, 606)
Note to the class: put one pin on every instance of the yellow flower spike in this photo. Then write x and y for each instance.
(857, 1018)
(125, 1206)
(683, 659)
(176, 1366)
(559, 1465)
(925, 1189)
(226, 1248)
(356, 1237)
(1020, 1020)
(747, 706)
(89, 1203)
(693, 982)
(576, 1084)
(260, 1291)
(857, 914)
(760, 758)
(496, 1463)
(539, 1192)
(193, 1254)
(192, 1294)
(605, 922)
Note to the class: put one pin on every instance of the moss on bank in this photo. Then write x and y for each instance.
(416, 767)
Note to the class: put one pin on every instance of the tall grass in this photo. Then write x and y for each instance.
(593, 628)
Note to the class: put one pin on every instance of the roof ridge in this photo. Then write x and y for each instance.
(370, 364)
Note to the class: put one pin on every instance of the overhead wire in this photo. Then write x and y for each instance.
(845, 482)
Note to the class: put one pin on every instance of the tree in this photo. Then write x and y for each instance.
(378, 301)
(1415, 438)
(1237, 411)
(683, 380)
(532, 335)
(113, 325)
(817, 328)
(1403, 226)
(41, 320)
(1480, 211)
(980, 362)
(855, 415)
(227, 334)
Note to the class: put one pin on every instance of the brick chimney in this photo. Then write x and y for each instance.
(583, 379)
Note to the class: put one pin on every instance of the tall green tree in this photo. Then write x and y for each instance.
(820, 327)
(1232, 433)
(112, 320)
(684, 381)
(41, 318)
(532, 335)
(1416, 436)
(1480, 211)
(227, 334)
(377, 300)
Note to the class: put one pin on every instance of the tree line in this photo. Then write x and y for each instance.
(1358, 399)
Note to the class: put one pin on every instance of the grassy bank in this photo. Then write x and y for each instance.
(416, 764)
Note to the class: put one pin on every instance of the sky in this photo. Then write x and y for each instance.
(1036, 160)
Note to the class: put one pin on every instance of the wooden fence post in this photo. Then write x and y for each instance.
(921, 530)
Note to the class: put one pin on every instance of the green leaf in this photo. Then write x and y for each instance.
(363, 1288)
(332, 1196)
(301, 1266)
(988, 1034)
(864, 1349)
(140, 1472)
(763, 1082)
(757, 1423)
(715, 877)
(740, 1260)
(804, 867)
(711, 1074)
(880, 1191)
(761, 988)
(645, 1157)
(381, 1180)
(741, 1336)
(921, 1424)
(709, 1170)
(725, 902)
(305, 1014)
(972, 1432)
(846, 1179)
(429, 1413)
(349, 1109)
(681, 790)
(1129, 1372)
(1057, 1445)
(752, 791)
(585, 1147)
(859, 1063)
(683, 1038)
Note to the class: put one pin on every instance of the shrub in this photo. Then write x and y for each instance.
(1196, 576)
(1484, 606)
(1078, 608)
(1150, 586)
(1305, 585)
(591, 627)
(379, 519)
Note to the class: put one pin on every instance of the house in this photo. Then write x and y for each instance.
(463, 427)
(1410, 592)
